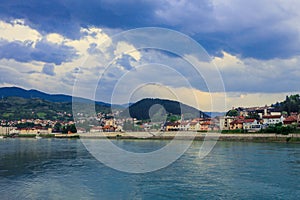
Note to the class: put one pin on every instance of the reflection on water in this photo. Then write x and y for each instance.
(63, 169)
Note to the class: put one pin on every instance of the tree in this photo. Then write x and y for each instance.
(72, 128)
(232, 112)
(57, 127)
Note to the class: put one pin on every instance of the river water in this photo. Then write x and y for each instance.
(64, 169)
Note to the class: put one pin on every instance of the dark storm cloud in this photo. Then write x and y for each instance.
(254, 29)
(42, 51)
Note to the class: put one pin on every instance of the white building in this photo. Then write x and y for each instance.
(272, 119)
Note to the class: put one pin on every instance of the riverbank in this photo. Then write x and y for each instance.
(247, 137)
(200, 136)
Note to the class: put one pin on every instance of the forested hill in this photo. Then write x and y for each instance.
(30, 94)
(140, 110)
(16, 108)
(290, 104)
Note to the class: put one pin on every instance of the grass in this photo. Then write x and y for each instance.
(41, 115)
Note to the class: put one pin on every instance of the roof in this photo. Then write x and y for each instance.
(206, 123)
(249, 120)
(237, 121)
(271, 116)
(290, 119)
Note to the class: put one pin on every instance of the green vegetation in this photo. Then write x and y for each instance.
(173, 118)
(233, 131)
(16, 108)
(69, 128)
(47, 135)
(140, 110)
(232, 112)
(290, 104)
(280, 129)
(27, 135)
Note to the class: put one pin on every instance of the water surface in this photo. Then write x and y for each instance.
(64, 169)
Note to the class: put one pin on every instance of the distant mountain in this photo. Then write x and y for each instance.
(215, 114)
(29, 94)
(140, 110)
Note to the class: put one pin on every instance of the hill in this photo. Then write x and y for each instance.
(16, 108)
(290, 104)
(141, 109)
(30, 94)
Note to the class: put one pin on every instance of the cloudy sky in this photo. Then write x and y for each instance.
(82, 48)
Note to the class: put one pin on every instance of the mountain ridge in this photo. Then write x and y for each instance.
(32, 93)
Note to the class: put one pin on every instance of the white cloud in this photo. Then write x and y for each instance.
(17, 30)
(125, 48)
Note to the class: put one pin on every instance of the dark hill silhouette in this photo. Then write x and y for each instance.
(140, 109)
(29, 94)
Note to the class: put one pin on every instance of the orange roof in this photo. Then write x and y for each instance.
(290, 119)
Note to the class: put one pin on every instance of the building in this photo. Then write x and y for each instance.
(184, 126)
(290, 120)
(194, 126)
(251, 125)
(225, 122)
(236, 124)
(272, 119)
(172, 126)
(96, 129)
(5, 130)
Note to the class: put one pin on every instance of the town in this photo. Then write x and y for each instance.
(237, 120)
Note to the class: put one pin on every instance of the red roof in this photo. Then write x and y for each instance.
(271, 116)
(237, 121)
(206, 123)
(249, 120)
(291, 119)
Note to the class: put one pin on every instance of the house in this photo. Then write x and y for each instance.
(248, 122)
(109, 128)
(96, 129)
(172, 126)
(205, 125)
(272, 119)
(290, 120)
(194, 126)
(236, 124)
(251, 125)
(80, 130)
(184, 126)
(5, 130)
(225, 122)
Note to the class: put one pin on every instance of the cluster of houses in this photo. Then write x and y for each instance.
(40, 126)
(255, 118)
(197, 124)
(250, 119)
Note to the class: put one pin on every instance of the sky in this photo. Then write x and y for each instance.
(249, 55)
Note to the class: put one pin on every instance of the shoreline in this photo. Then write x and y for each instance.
(240, 137)
(197, 136)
